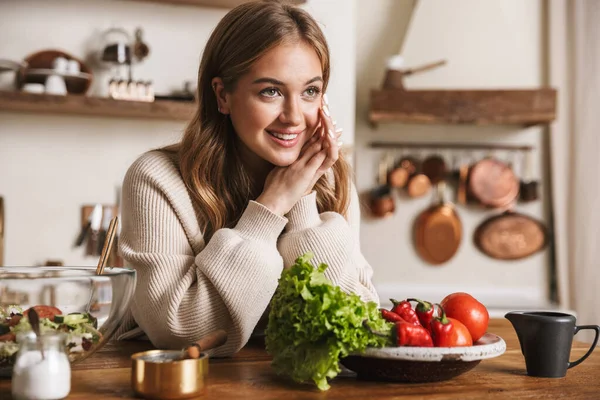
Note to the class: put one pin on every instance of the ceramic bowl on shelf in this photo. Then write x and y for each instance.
(41, 64)
(74, 299)
(422, 364)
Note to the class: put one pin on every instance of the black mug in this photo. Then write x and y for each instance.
(546, 339)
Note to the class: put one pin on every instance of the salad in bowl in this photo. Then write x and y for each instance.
(86, 307)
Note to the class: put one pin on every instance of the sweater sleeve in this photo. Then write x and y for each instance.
(182, 294)
(333, 240)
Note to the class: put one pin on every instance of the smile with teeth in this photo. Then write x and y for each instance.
(283, 136)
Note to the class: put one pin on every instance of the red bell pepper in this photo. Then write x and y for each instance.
(404, 309)
(442, 330)
(390, 316)
(424, 312)
(407, 334)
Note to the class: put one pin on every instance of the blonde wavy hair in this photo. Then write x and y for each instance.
(208, 154)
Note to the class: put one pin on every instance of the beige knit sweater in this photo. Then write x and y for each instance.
(187, 288)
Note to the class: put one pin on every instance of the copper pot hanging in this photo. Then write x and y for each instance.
(399, 175)
(492, 183)
(418, 184)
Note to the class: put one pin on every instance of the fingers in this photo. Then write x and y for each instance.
(332, 148)
(315, 163)
(315, 137)
(313, 146)
(331, 125)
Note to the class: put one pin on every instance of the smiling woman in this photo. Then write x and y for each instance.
(256, 181)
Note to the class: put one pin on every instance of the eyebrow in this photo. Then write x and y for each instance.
(277, 82)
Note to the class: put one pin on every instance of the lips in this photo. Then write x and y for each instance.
(285, 138)
(284, 135)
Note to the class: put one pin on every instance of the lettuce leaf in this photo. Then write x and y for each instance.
(312, 324)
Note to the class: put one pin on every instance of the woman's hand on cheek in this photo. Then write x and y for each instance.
(284, 186)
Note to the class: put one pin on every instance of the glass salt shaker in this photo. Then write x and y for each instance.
(41, 370)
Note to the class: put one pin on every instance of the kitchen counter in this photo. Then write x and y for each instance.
(106, 375)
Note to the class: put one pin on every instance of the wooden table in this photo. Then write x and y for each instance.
(248, 375)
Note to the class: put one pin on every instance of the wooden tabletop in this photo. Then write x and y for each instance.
(248, 375)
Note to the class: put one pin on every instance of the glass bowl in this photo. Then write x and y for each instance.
(74, 300)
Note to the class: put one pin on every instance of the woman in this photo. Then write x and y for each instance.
(257, 180)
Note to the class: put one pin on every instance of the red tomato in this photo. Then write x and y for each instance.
(45, 312)
(460, 334)
(469, 311)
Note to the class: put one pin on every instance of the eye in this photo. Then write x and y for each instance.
(270, 92)
(312, 91)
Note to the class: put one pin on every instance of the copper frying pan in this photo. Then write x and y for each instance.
(510, 236)
(438, 230)
(493, 183)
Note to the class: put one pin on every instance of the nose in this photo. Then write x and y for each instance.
(292, 112)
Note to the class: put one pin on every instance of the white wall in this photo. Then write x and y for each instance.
(488, 44)
(51, 165)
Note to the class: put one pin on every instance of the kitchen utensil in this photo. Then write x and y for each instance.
(434, 167)
(85, 230)
(422, 364)
(68, 289)
(34, 320)
(418, 183)
(56, 85)
(73, 67)
(461, 190)
(399, 175)
(60, 65)
(39, 66)
(529, 187)
(437, 231)
(174, 374)
(492, 183)
(104, 254)
(140, 49)
(394, 75)
(546, 339)
(106, 249)
(93, 235)
(510, 236)
(107, 215)
(381, 202)
(37, 88)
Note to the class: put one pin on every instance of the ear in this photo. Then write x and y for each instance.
(221, 95)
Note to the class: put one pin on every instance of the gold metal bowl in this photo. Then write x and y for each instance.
(163, 374)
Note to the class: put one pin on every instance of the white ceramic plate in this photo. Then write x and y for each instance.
(489, 346)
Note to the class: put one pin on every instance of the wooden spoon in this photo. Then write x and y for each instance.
(210, 341)
(110, 236)
(106, 249)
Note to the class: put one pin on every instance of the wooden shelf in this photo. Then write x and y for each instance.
(95, 106)
(213, 3)
(478, 107)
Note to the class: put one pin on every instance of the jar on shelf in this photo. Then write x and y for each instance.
(41, 370)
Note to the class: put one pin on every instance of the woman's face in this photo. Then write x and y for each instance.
(274, 107)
